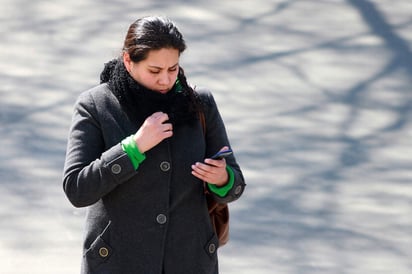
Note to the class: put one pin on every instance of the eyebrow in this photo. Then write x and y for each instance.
(156, 67)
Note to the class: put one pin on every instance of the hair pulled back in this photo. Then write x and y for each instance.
(152, 33)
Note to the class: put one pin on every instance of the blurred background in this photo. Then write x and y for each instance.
(316, 96)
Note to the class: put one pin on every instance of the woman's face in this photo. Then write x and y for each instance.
(158, 71)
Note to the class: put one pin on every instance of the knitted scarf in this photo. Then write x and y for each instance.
(139, 102)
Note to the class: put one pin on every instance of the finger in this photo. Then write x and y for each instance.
(167, 127)
(224, 148)
(207, 170)
(216, 163)
(199, 169)
(201, 174)
(167, 134)
(156, 115)
(163, 117)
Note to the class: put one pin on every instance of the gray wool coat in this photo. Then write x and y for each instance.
(153, 219)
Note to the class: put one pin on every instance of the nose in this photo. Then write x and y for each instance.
(165, 79)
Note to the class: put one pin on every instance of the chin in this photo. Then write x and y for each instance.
(163, 91)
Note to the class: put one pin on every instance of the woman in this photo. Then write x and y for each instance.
(137, 156)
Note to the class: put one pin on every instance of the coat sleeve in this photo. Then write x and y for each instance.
(216, 138)
(89, 171)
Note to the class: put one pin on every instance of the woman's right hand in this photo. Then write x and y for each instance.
(153, 131)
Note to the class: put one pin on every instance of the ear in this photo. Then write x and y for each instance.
(127, 61)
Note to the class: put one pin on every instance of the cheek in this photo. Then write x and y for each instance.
(145, 79)
(150, 78)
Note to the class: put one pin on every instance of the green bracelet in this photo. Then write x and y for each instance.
(130, 147)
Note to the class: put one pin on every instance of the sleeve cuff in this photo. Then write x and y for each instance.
(222, 191)
(136, 157)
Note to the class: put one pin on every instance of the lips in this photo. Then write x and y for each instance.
(163, 91)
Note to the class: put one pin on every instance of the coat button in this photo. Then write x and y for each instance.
(165, 166)
(212, 248)
(161, 219)
(116, 169)
(238, 189)
(103, 252)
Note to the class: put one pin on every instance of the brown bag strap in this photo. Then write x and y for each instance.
(202, 119)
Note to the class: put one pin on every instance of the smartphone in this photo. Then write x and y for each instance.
(222, 154)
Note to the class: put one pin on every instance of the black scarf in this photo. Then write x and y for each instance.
(139, 102)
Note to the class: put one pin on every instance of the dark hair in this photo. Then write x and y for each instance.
(152, 33)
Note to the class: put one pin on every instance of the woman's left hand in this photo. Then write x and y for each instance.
(212, 171)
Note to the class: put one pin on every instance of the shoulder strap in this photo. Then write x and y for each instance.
(203, 121)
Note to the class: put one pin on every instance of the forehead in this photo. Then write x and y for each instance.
(162, 58)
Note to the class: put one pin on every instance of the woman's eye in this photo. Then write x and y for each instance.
(173, 69)
(155, 72)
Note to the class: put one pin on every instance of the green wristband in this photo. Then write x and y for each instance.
(223, 191)
(130, 147)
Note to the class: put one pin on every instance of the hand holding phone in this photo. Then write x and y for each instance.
(213, 169)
